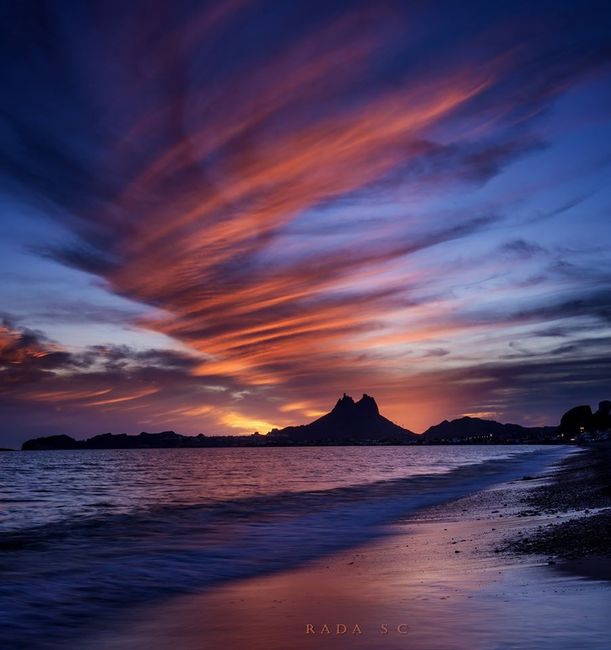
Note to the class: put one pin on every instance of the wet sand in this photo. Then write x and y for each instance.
(441, 580)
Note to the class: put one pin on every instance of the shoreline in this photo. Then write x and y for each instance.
(440, 571)
(80, 574)
(577, 502)
(303, 445)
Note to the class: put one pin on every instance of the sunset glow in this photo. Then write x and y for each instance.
(224, 221)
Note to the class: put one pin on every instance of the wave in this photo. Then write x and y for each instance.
(59, 577)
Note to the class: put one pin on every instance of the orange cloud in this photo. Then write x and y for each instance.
(125, 398)
(189, 232)
(17, 347)
(67, 395)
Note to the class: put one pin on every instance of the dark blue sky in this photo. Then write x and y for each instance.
(216, 217)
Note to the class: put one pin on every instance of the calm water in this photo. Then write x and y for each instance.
(88, 533)
(40, 487)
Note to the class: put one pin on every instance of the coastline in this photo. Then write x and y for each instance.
(577, 502)
(450, 575)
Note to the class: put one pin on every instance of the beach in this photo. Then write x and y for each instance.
(424, 548)
(453, 576)
(578, 504)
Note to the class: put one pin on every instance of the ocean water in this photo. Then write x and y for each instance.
(84, 534)
(38, 488)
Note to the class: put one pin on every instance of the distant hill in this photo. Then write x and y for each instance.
(467, 429)
(51, 442)
(349, 422)
(106, 441)
(144, 440)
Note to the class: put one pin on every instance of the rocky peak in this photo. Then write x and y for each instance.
(367, 405)
(345, 403)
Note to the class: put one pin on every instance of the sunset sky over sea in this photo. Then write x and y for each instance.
(218, 217)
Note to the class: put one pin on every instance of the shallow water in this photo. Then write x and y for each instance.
(40, 487)
(413, 581)
(88, 533)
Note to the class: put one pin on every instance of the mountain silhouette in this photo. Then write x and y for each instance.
(349, 422)
(581, 419)
(478, 430)
(357, 423)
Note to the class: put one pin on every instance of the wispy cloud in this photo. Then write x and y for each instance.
(275, 195)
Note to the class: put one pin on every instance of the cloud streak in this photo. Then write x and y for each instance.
(217, 177)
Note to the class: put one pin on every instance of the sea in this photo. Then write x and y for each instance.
(86, 533)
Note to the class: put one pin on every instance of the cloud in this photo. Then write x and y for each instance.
(521, 249)
(37, 375)
(26, 355)
(220, 175)
(596, 304)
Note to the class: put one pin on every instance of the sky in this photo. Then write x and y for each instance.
(218, 217)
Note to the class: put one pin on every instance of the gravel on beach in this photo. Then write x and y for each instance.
(579, 493)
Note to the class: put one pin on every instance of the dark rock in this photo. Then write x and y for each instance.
(367, 406)
(576, 420)
(601, 420)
